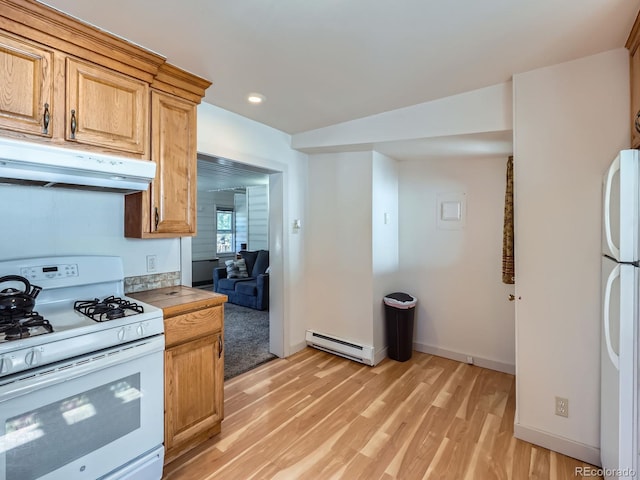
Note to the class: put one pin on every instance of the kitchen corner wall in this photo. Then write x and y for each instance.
(463, 308)
(353, 245)
(570, 121)
(339, 250)
(384, 231)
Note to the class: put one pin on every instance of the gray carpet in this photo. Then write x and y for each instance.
(246, 339)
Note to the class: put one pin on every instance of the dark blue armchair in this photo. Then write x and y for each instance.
(251, 291)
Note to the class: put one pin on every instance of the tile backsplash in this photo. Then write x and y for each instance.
(149, 282)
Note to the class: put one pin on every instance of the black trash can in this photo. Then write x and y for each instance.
(399, 314)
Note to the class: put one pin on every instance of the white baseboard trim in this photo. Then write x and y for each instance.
(297, 347)
(380, 355)
(570, 448)
(462, 357)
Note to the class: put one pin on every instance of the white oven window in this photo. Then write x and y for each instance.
(80, 424)
(83, 421)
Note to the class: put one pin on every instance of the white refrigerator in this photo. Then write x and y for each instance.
(619, 326)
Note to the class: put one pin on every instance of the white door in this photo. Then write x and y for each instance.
(620, 208)
(617, 367)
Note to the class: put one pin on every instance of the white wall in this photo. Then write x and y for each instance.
(258, 216)
(484, 110)
(569, 122)
(225, 134)
(384, 232)
(456, 273)
(482, 325)
(55, 221)
(339, 250)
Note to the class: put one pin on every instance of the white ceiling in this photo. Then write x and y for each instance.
(323, 62)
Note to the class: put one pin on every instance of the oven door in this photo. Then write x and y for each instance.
(98, 415)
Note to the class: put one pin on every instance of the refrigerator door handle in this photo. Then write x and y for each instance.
(613, 168)
(615, 273)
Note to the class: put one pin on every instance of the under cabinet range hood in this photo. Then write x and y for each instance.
(27, 163)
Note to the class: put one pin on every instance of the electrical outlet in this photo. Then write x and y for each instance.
(152, 261)
(562, 406)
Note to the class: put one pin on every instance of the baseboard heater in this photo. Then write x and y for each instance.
(341, 347)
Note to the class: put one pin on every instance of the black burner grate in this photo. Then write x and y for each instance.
(13, 327)
(108, 309)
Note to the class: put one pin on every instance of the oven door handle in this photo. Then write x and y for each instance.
(30, 381)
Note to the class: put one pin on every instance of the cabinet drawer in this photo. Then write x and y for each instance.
(192, 325)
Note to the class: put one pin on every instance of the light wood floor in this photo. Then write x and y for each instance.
(318, 416)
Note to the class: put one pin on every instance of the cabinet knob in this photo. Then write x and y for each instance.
(74, 124)
(219, 346)
(157, 218)
(46, 117)
(637, 122)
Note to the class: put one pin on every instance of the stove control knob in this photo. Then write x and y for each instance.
(121, 334)
(32, 358)
(140, 330)
(5, 365)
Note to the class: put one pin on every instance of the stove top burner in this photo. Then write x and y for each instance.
(26, 325)
(108, 309)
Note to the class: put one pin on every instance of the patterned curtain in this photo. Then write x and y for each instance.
(508, 267)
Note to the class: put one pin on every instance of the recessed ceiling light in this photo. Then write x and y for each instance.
(255, 98)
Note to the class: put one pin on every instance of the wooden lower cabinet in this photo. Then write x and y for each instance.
(193, 393)
(193, 365)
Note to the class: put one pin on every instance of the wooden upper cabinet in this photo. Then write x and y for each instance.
(68, 83)
(634, 66)
(105, 108)
(173, 148)
(635, 99)
(26, 95)
(168, 208)
(41, 90)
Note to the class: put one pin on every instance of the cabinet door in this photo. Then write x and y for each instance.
(25, 87)
(106, 109)
(193, 393)
(173, 148)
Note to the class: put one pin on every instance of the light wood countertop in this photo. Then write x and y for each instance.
(179, 300)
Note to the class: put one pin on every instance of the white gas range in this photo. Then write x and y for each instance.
(81, 372)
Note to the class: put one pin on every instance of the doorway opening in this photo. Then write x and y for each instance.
(235, 220)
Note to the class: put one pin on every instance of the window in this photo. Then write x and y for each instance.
(224, 231)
